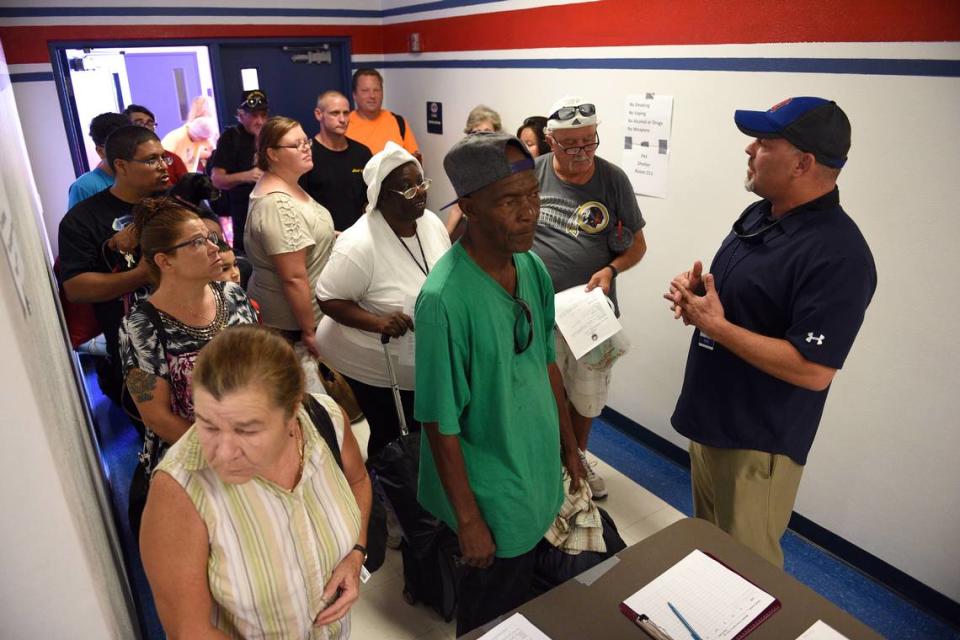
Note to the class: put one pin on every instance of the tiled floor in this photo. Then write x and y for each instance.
(382, 613)
(647, 493)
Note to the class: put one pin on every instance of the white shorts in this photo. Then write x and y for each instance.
(586, 388)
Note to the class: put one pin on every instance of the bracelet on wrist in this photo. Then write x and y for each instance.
(612, 268)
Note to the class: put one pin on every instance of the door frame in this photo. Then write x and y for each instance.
(68, 106)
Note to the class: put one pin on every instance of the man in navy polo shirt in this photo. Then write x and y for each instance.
(775, 319)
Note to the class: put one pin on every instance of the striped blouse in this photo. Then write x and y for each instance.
(271, 550)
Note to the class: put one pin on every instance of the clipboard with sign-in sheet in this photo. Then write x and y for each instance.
(700, 597)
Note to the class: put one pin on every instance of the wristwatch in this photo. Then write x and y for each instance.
(362, 549)
(612, 268)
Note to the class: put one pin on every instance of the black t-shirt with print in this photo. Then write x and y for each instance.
(336, 181)
(82, 239)
(234, 154)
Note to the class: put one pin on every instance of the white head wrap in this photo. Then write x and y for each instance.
(380, 166)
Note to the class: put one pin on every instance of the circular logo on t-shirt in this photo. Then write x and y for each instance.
(592, 217)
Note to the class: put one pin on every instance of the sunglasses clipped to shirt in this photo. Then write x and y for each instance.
(522, 326)
(565, 113)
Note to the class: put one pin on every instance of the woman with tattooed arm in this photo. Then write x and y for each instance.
(160, 337)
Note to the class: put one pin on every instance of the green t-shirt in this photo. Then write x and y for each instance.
(471, 381)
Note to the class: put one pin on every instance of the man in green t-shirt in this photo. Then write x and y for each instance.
(488, 390)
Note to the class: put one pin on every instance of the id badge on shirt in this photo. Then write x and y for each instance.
(706, 342)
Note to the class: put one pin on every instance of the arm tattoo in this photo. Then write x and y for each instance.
(141, 385)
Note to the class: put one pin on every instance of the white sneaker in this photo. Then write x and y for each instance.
(597, 486)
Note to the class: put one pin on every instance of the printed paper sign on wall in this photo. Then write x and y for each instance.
(646, 145)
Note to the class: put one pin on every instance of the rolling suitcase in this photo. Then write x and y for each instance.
(431, 568)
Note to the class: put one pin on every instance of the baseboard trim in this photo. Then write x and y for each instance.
(870, 565)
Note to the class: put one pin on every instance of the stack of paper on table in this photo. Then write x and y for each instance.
(717, 602)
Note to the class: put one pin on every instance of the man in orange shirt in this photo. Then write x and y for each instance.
(370, 124)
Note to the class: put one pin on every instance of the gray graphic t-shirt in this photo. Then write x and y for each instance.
(575, 221)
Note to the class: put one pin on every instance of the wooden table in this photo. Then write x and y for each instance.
(590, 611)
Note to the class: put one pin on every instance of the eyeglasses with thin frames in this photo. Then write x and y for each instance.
(302, 145)
(196, 242)
(575, 151)
(521, 344)
(411, 193)
(157, 162)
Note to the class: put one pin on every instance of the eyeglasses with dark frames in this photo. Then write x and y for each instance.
(521, 343)
(301, 145)
(411, 193)
(575, 151)
(196, 242)
(565, 113)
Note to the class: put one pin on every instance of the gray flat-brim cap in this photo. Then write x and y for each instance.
(479, 160)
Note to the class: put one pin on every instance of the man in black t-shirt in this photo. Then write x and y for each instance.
(231, 165)
(99, 259)
(336, 180)
(775, 319)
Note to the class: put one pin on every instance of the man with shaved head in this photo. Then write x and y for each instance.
(336, 180)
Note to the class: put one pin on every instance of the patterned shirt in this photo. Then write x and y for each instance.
(272, 550)
(141, 347)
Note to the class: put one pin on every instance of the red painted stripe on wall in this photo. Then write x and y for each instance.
(26, 45)
(604, 23)
(673, 22)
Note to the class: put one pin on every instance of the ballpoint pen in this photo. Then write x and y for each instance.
(676, 612)
(651, 628)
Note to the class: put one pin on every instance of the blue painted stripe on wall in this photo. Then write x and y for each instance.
(53, 12)
(56, 12)
(39, 76)
(862, 66)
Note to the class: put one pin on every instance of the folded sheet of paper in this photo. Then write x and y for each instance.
(717, 602)
(585, 318)
(822, 631)
(516, 627)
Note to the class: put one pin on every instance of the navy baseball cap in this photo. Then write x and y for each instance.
(813, 125)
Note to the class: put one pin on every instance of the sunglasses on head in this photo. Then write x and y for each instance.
(565, 113)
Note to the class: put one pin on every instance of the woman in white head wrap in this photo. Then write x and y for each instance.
(369, 286)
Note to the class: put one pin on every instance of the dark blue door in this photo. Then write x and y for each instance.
(291, 86)
(165, 83)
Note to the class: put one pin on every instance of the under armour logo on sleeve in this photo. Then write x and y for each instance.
(819, 339)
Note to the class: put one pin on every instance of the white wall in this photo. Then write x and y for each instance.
(883, 470)
(46, 140)
(60, 576)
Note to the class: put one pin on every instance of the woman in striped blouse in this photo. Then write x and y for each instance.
(251, 529)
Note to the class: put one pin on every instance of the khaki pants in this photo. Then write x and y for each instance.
(749, 494)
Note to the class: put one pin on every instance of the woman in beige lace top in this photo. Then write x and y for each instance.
(288, 236)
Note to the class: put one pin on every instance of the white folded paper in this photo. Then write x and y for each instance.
(585, 318)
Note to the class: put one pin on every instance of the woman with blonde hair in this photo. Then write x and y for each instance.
(256, 522)
(288, 235)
